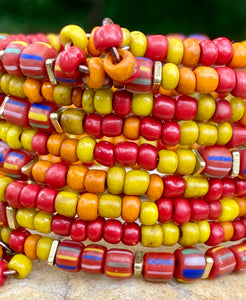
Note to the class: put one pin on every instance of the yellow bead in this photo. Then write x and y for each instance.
(224, 133)
(71, 121)
(142, 140)
(126, 37)
(170, 76)
(26, 138)
(175, 51)
(21, 264)
(13, 137)
(148, 213)
(190, 234)
(186, 162)
(42, 222)
(63, 94)
(25, 217)
(115, 179)
(109, 206)
(230, 210)
(151, 236)
(237, 106)
(103, 101)
(5, 126)
(4, 182)
(54, 41)
(205, 107)
(74, 34)
(88, 101)
(170, 234)
(189, 132)
(204, 228)
(66, 203)
(5, 234)
(142, 104)
(136, 182)
(16, 85)
(138, 43)
(208, 134)
(4, 82)
(85, 149)
(168, 162)
(195, 186)
(43, 247)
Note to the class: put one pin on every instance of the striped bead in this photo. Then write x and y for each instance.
(119, 263)
(68, 256)
(242, 171)
(158, 267)
(239, 252)
(190, 264)
(4, 151)
(93, 258)
(224, 261)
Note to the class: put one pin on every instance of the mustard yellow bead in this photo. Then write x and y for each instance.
(170, 234)
(175, 51)
(208, 134)
(103, 101)
(66, 203)
(5, 234)
(224, 133)
(142, 140)
(25, 217)
(74, 34)
(168, 162)
(21, 264)
(53, 40)
(148, 213)
(189, 132)
(5, 126)
(85, 149)
(142, 104)
(136, 182)
(230, 210)
(16, 85)
(204, 228)
(62, 94)
(13, 137)
(43, 247)
(26, 138)
(42, 222)
(237, 106)
(5, 79)
(4, 182)
(88, 100)
(109, 206)
(1, 74)
(186, 162)
(72, 121)
(190, 234)
(170, 76)
(151, 236)
(195, 186)
(115, 179)
(205, 107)
(126, 37)
(138, 43)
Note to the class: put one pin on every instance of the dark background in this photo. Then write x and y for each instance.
(212, 17)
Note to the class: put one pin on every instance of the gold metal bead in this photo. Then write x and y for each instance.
(235, 163)
(209, 265)
(11, 217)
(2, 107)
(52, 254)
(200, 163)
(157, 76)
(138, 264)
(55, 119)
(27, 169)
(49, 63)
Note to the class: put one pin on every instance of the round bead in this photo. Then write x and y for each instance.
(204, 229)
(239, 230)
(190, 234)
(225, 51)
(240, 90)
(175, 51)
(79, 230)
(4, 182)
(155, 188)
(187, 81)
(147, 157)
(170, 76)
(239, 253)
(163, 107)
(215, 190)
(66, 203)
(25, 217)
(151, 236)
(191, 54)
(112, 231)
(75, 34)
(17, 239)
(174, 186)
(27, 137)
(199, 210)
(138, 44)
(46, 200)
(186, 161)
(61, 225)
(165, 210)
(182, 211)
(207, 79)
(13, 137)
(131, 127)
(131, 234)
(87, 208)
(238, 57)
(95, 229)
(103, 101)
(85, 149)
(3, 267)
(12, 193)
(30, 246)
(88, 100)
(109, 206)
(42, 222)
(237, 109)
(224, 133)
(126, 153)
(95, 181)
(122, 102)
(130, 208)
(150, 128)
(216, 234)
(157, 46)
(93, 258)
(209, 52)
(170, 234)
(148, 213)
(56, 175)
(207, 134)
(93, 125)
(227, 80)
(112, 125)
(21, 264)
(43, 247)
(136, 182)
(223, 111)
(142, 104)
(115, 179)
(72, 121)
(186, 108)
(170, 133)
(196, 186)
(168, 162)
(28, 195)
(205, 107)
(104, 153)
(189, 132)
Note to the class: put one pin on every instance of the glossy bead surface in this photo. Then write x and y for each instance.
(61, 225)
(112, 125)
(239, 253)
(157, 46)
(174, 186)
(186, 161)
(21, 264)
(205, 107)
(109, 206)
(163, 107)
(71, 121)
(215, 209)
(28, 195)
(230, 209)
(209, 52)
(79, 230)
(208, 134)
(87, 208)
(189, 132)
(66, 203)
(56, 175)
(93, 125)
(130, 208)
(46, 200)
(95, 181)
(104, 153)
(42, 222)
(170, 234)
(126, 153)
(12, 193)
(93, 258)
(112, 231)
(182, 211)
(215, 190)
(148, 213)
(190, 234)
(155, 188)
(224, 50)
(142, 104)
(16, 111)
(186, 108)
(170, 135)
(136, 182)
(147, 157)
(170, 76)
(150, 128)
(25, 217)
(95, 229)
(131, 234)
(30, 246)
(85, 149)
(103, 101)
(43, 247)
(17, 239)
(227, 80)
(199, 209)
(115, 179)
(216, 234)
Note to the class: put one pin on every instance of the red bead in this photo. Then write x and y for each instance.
(17, 239)
(170, 135)
(122, 102)
(215, 210)
(112, 232)
(227, 80)
(174, 186)
(157, 46)
(126, 153)
(93, 258)
(4, 151)
(228, 187)
(68, 256)
(95, 229)
(215, 190)
(223, 111)
(216, 234)
(199, 209)
(119, 263)
(186, 108)
(238, 136)
(209, 53)
(158, 266)
(93, 125)
(104, 153)
(78, 230)
(224, 261)
(112, 125)
(39, 143)
(28, 195)
(3, 216)
(61, 225)
(239, 252)
(224, 50)
(46, 200)
(107, 36)
(3, 267)
(240, 88)
(147, 157)
(165, 210)
(12, 193)
(242, 172)
(239, 230)
(131, 234)
(150, 128)
(70, 59)
(240, 187)
(56, 175)
(163, 107)
(181, 211)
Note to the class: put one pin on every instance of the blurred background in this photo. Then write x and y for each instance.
(212, 17)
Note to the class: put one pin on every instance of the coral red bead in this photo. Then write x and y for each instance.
(170, 135)
(95, 229)
(216, 234)
(209, 53)
(240, 88)
(165, 209)
(13, 192)
(78, 230)
(131, 234)
(158, 266)
(122, 102)
(238, 136)
(157, 46)
(28, 195)
(224, 47)
(112, 231)
(104, 153)
(112, 125)
(4, 151)
(3, 267)
(239, 252)
(126, 153)
(93, 258)
(61, 225)
(46, 200)
(174, 186)
(186, 108)
(181, 211)
(215, 189)
(56, 175)
(240, 187)
(228, 187)
(199, 210)
(70, 59)
(223, 111)
(239, 230)
(227, 80)
(93, 125)
(163, 107)
(39, 143)
(215, 210)
(107, 36)
(150, 128)
(3, 215)
(147, 157)
(17, 239)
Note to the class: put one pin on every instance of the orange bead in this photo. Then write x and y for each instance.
(54, 143)
(51, 158)
(228, 230)
(68, 150)
(76, 177)
(77, 94)
(130, 208)
(97, 74)
(90, 46)
(32, 89)
(156, 187)
(207, 79)
(47, 91)
(191, 54)
(95, 181)
(238, 60)
(1, 252)
(30, 246)
(187, 81)
(118, 139)
(39, 170)
(241, 202)
(170, 93)
(131, 127)
(87, 207)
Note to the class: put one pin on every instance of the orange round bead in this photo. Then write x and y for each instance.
(39, 170)
(241, 202)
(68, 150)
(47, 91)
(187, 81)
(228, 230)
(76, 177)
(30, 246)
(131, 127)
(54, 143)
(87, 207)
(191, 54)
(97, 74)
(207, 79)
(91, 49)
(130, 208)
(156, 187)
(238, 60)
(1, 252)
(32, 89)
(77, 94)
(95, 181)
